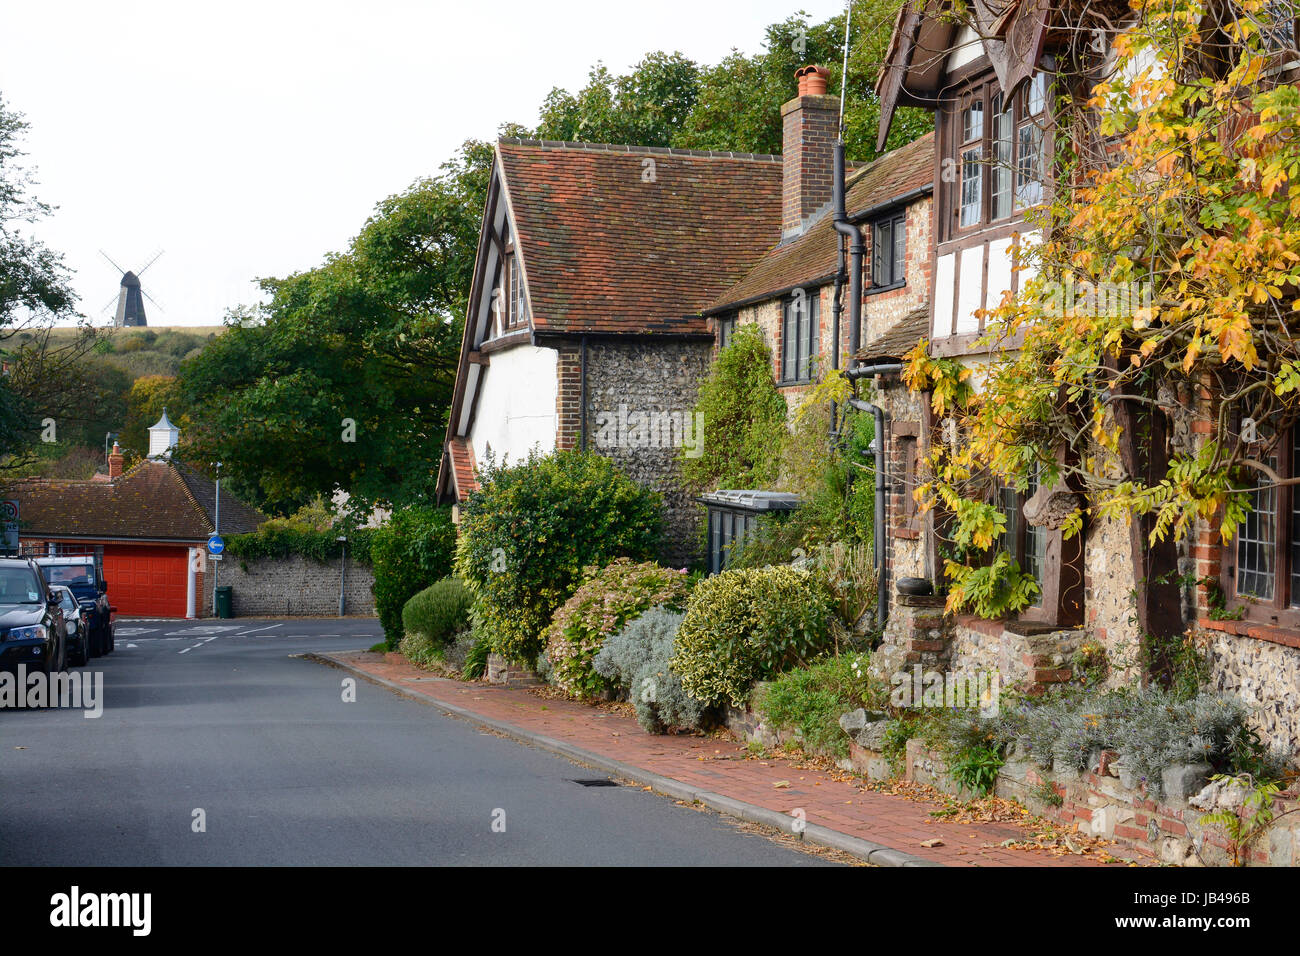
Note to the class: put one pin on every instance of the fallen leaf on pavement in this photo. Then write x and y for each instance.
(931, 843)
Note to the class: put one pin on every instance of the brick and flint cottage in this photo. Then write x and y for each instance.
(584, 328)
(988, 75)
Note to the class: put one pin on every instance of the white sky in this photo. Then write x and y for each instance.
(249, 139)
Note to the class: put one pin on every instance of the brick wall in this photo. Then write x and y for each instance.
(296, 586)
(810, 126)
(568, 397)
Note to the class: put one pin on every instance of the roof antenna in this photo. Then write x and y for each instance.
(844, 74)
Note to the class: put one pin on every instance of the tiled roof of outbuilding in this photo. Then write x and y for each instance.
(155, 500)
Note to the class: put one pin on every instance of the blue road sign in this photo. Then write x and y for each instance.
(216, 545)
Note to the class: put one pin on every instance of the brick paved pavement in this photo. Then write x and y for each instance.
(722, 766)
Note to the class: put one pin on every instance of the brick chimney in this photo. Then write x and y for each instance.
(809, 128)
(115, 461)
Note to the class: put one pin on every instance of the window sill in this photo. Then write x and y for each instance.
(878, 289)
(1287, 637)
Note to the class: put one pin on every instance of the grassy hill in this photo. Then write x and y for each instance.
(132, 370)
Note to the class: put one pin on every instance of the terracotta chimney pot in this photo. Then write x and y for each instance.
(813, 80)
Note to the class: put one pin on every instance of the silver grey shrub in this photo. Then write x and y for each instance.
(636, 659)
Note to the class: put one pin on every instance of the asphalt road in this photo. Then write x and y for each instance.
(218, 723)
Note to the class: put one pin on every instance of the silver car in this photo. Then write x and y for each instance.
(76, 626)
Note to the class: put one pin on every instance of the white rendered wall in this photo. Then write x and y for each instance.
(515, 411)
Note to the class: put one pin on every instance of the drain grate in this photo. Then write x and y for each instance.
(596, 782)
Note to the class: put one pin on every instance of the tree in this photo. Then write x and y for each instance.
(1163, 296)
(739, 103)
(642, 108)
(744, 419)
(145, 401)
(344, 379)
(41, 378)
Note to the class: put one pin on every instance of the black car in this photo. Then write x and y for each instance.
(83, 574)
(31, 622)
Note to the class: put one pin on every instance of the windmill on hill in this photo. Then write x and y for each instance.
(131, 296)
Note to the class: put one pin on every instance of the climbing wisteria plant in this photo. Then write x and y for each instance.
(1165, 283)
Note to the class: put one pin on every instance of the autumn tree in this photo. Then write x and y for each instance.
(1148, 366)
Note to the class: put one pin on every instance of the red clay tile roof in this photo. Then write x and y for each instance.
(901, 337)
(154, 500)
(462, 465)
(812, 257)
(606, 251)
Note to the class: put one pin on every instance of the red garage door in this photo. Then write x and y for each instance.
(146, 581)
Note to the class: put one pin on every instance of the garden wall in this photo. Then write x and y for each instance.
(296, 586)
(1104, 802)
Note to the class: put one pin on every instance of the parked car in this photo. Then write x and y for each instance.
(84, 574)
(76, 626)
(31, 622)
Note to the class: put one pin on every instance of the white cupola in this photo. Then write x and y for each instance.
(163, 436)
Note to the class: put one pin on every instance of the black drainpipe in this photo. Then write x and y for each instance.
(856, 251)
(882, 588)
(582, 400)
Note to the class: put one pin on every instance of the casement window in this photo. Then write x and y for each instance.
(799, 336)
(1261, 566)
(726, 329)
(1025, 543)
(1278, 23)
(516, 304)
(997, 152)
(889, 251)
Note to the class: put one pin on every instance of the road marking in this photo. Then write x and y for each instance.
(256, 629)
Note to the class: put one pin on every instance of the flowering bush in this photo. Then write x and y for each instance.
(607, 598)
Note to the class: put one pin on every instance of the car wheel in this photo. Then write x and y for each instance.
(79, 656)
(109, 640)
(96, 646)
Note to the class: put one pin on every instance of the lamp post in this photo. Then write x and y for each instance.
(343, 569)
(108, 436)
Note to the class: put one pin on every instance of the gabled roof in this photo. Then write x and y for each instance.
(900, 338)
(155, 500)
(812, 258)
(624, 239)
(1011, 32)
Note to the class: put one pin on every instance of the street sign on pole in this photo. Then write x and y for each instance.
(216, 545)
(9, 517)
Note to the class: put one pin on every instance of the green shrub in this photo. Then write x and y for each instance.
(476, 660)
(1151, 729)
(977, 769)
(418, 648)
(607, 598)
(812, 699)
(531, 528)
(744, 419)
(636, 658)
(749, 624)
(412, 550)
(439, 611)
